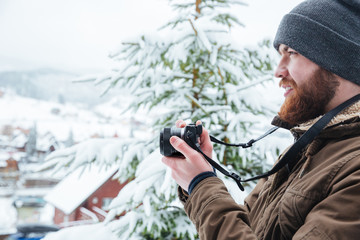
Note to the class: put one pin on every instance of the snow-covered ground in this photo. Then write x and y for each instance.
(7, 216)
(88, 232)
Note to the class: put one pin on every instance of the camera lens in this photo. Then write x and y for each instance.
(165, 147)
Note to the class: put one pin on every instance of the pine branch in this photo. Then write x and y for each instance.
(193, 27)
(196, 103)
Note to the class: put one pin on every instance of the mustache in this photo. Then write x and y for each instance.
(286, 81)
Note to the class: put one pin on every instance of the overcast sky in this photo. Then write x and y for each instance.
(77, 35)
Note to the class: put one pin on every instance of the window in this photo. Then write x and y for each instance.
(106, 203)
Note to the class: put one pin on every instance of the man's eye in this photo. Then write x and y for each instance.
(292, 52)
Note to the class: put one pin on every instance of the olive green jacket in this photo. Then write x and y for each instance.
(318, 199)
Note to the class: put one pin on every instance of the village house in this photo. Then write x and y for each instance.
(83, 196)
(9, 173)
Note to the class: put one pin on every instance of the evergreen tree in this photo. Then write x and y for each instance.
(30, 146)
(198, 72)
(61, 98)
(190, 69)
(70, 140)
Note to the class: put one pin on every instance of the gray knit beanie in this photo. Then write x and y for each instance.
(327, 32)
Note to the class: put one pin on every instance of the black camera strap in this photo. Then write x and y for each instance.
(220, 168)
(291, 155)
(245, 145)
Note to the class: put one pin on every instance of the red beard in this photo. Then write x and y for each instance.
(308, 100)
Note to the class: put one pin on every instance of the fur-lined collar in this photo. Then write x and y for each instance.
(345, 115)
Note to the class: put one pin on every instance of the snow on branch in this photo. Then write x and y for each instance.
(103, 152)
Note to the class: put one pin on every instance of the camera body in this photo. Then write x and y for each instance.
(190, 134)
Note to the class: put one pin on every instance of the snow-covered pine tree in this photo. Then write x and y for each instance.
(198, 71)
(190, 69)
(70, 140)
(30, 146)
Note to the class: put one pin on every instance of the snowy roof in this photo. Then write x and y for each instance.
(3, 164)
(72, 191)
(44, 142)
(19, 141)
(4, 156)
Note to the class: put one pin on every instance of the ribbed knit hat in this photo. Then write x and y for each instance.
(327, 32)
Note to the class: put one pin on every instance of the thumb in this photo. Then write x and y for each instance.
(181, 146)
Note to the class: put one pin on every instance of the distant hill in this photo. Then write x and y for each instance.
(52, 85)
(102, 120)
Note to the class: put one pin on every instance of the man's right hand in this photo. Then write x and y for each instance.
(185, 169)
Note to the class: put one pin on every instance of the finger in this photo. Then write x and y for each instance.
(171, 162)
(168, 162)
(191, 155)
(181, 146)
(204, 137)
(205, 141)
(180, 123)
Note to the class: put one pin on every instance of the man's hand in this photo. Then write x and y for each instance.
(185, 169)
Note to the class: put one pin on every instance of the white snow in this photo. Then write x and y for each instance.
(88, 232)
(8, 216)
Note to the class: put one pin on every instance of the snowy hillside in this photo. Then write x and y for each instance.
(103, 120)
(52, 85)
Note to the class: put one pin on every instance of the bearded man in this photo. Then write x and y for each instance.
(317, 196)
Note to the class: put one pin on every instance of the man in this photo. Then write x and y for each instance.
(317, 197)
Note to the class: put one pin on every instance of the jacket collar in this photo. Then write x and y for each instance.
(278, 122)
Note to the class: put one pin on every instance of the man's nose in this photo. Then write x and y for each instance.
(281, 70)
